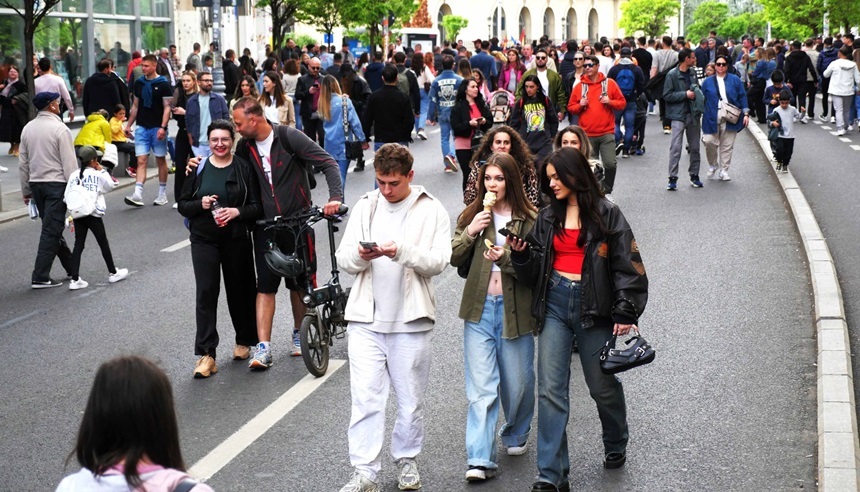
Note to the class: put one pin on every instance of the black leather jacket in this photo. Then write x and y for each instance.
(614, 284)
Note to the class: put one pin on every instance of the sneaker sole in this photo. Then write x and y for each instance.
(415, 486)
(204, 375)
(422, 136)
(258, 366)
(45, 286)
(128, 201)
(160, 204)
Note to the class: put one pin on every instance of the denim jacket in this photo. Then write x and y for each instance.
(443, 95)
(218, 110)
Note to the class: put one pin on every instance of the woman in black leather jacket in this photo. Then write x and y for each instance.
(582, 260)
(221, 200)
(469, 115)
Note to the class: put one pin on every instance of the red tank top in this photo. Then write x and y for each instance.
(568, 255)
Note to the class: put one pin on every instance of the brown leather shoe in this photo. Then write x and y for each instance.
(241, 352)
(205, 367)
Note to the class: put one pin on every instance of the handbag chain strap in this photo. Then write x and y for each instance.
(345, 119)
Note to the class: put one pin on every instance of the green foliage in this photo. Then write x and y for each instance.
(327, 14)
(649, 16)
(154, 36)
(304, 40)
(281, 11)
(708, 16)
(453, 24)
(370, 13)
(746, 23)
(784, 14)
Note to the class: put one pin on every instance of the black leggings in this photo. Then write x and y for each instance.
(183, 153)
(128, 149)
(825, 86)
(95, 224)
(463, 158)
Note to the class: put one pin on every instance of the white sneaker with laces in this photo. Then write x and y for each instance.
(360, 483)
(160, 200)
(78, 284)
(121, 274)
(477, 474)
(805, 119)
(711, 171)
(840, 132)
(409, 478)
(850, 128)
(724, 176)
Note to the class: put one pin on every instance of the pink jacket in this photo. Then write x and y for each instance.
(505, 77)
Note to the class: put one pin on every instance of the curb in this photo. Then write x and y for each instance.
(838, 449)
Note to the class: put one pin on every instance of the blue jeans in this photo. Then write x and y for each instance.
(563, 311)
(421, 119)
(855, 109)
(298, 107)
(629, 115)
(343, 164)
(497, 370)
(447, 134)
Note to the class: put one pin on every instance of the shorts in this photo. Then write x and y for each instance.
(146, 141)
(267, 280)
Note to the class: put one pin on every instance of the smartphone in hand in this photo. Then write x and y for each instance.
(368, 245)
(505, 232)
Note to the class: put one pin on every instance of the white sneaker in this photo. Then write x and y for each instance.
(78, 284)
(724, 176)
(850, 128)
(134, 200)
(121, 274)
(608, 196)
(711, 171)
(175, 206)
(409, 478)
(805, 119)
(360, 483)
(160, 200)
(518, 450)
(422, 135)
(4, 169)
(840, 132)
(833, 119)
(477, 474)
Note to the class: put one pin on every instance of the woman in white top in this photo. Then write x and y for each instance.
(425, 79)
(276, 106)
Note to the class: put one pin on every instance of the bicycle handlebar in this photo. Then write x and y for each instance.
(313, 212)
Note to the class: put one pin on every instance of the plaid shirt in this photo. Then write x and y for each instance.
(176, 63)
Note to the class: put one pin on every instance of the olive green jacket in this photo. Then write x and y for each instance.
(516, 296)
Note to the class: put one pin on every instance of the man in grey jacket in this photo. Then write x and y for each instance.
(679, 93)
(47, 161)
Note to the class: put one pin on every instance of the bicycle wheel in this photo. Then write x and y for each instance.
(314, 342)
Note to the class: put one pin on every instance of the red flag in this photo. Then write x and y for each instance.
(523, 36)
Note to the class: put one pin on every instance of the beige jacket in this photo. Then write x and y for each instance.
(47, 152)
(424, 254)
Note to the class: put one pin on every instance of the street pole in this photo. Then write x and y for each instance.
(217, 68)
(681, 20)
(499, 22)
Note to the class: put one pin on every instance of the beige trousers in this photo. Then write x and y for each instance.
(720, 145)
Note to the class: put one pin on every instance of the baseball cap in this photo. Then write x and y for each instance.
(43, 99)
(625, 51)
(88, 153)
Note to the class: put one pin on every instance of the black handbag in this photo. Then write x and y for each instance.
(613, 360)
(354, 148)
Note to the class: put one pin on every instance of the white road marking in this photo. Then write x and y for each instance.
(21, 318)
(90, 292)
(177, 246)
(826, 127)
(855, 147)
(846, 140)
(225, 452)
(816, 122)
(834, 133)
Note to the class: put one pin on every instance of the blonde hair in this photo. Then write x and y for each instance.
(328, 88)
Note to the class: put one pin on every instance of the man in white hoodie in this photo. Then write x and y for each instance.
(844, 77)
(398, 238)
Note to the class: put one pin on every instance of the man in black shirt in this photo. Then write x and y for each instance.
(151, 111)
(643, 57)
(388, 113)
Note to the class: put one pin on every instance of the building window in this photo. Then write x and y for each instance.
(73, 6)
(501, 35)
(124, 7)
(525, 30)
(60, 39)
(161, 8)
(113, 39)
(549, 24)
(154, 36)
(101, 7)
(13, 44)
(146, 8)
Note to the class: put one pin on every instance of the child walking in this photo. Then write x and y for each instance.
(96, 180)
(119, 139)
(784, 121)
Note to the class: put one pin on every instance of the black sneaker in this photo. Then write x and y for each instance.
(614, 460)
(47, 284)
(695, 182)
(359, 167)
(619, 148)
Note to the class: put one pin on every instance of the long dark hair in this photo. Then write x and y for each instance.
(575, 173)
(461, 92)
(277, 91)
(252, 85)
(539, 95)
(515, 195)
(130, 415)
(418, 64)
(519, 149)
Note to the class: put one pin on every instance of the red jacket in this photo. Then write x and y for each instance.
(597, 119)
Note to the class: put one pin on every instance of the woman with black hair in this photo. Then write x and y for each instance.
(129, 437)
(276, 105)
(470, 118)
(221, 200)
(14, 100)
(534, 117)
(588, 281)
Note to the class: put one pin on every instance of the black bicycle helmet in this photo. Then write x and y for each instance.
(289, 266)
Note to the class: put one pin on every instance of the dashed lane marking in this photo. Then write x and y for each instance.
(177, 246)
(835, 134)
(826, 128)
(816, 122)
(855, 147)
(21, 318)
(846, 140)
(225, 452)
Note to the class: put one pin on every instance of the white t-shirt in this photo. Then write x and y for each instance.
(721, 86)
(271, 111)
(544, 82)
(265, 148)
(499, 222)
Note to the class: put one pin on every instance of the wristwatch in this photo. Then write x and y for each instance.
(164, 128)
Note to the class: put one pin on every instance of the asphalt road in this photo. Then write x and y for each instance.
(729, 403)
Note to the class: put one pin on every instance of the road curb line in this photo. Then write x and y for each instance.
(838, 448)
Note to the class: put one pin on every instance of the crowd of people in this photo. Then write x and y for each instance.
(550, 263)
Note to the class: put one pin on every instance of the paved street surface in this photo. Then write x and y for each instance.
(729, 403)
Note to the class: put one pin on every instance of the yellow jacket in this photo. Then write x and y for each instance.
(96, 132)
(117, 134)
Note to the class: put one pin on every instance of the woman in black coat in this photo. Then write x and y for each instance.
(13, 98)
(470, 118)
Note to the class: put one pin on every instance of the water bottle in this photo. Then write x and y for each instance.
(216, 208)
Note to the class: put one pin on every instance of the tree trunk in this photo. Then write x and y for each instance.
(29, 51)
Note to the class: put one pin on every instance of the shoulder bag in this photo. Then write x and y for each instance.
(353, 147)
(731, 112)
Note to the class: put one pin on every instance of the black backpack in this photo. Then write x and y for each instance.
(654, 87)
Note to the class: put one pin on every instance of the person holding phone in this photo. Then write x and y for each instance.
(470, 118)
(583, 264)
(498, 345)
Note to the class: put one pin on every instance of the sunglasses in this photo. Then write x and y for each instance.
(540, 58)
(314, 68)
(578, 59)
(588, 65)
(721, 64)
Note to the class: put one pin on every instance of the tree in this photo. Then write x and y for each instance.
(843, 14)
(649, 16)
(806, 13)
(32, 15)
(708, 16)
(281, 12)
(370, 13)
(326, 14)
(746, 23)
(453, 24)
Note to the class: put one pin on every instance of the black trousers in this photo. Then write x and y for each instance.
(183, 153)
(825, 85)
(754, 98)
(52, 210)
(784, 150)
(128, 149)
(97, 226)
(809, 91)
(667, 123)
(235, 258)
(463, 158)
(313, 128)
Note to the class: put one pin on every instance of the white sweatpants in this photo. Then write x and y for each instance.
(378, 361)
